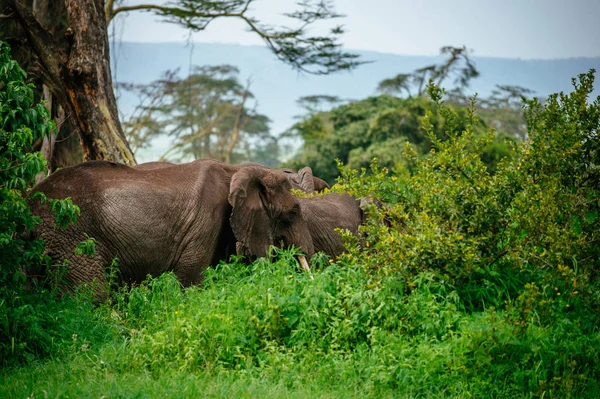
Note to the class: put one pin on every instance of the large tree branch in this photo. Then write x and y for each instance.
(316, 55)
(112, 12)
(188, 14)
(109, 10)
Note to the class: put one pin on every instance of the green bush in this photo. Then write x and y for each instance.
(538, 213)
(525, 239)
(32, 320)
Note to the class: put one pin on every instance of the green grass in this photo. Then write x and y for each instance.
(266, 330)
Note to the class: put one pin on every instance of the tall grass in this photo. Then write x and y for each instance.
(265, 329)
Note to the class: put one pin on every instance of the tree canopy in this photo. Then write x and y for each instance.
(208, 113)
(383, 126)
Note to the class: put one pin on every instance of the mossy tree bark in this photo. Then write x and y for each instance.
(76, 67)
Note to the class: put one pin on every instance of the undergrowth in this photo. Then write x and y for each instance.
(270, 328)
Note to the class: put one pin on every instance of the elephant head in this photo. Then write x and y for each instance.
(265, 213)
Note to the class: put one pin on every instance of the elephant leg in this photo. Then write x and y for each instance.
(85, 270)
(70, 270)
(191, 265)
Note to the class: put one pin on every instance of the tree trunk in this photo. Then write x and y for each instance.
(67, 150)
(77, 69)
(238, 125)
(89, 84)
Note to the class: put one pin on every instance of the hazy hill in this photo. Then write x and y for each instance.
(277, 87)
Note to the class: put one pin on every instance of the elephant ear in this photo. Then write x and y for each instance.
(306, 179)
(309, 182)
(248, 195)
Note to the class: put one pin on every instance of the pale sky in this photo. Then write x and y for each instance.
(527, 29)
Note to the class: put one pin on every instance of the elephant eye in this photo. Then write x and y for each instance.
(288, 217)
(295, 210)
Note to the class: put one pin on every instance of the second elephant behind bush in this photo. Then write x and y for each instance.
(266, 213)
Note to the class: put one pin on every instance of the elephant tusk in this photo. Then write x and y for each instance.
(305, 266)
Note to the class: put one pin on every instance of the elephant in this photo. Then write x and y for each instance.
(153, 165)
(266, 213)
(154, 218)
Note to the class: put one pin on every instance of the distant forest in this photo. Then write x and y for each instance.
(277, 87)
(278, 99)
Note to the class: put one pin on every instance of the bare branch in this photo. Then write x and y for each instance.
(146, 7)
(178, 12)
(310, 54)
(108, 10)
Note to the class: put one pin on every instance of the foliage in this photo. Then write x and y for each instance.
(315, 103)
(27, 318)
(502, 110)
(536, 214)
(267, 329)
(377, 127)
(207, 114)
(87, 247)
(292, 42)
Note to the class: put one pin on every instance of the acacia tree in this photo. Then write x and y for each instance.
(207, 114)
(501, 110)
(76, 65)
(457, 65)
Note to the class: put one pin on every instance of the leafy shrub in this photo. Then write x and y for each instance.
(525, 239)
(30, 322)
(536, 214)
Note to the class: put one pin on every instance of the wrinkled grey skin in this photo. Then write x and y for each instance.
(155, 217)
(266, 213)
(153, 165)
(325, 214)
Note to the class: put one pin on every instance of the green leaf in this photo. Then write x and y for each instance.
(576, 225)
(590, 217)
